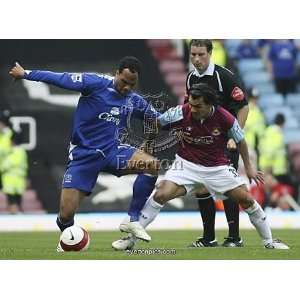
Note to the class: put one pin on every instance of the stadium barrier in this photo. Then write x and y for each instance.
(165, 221)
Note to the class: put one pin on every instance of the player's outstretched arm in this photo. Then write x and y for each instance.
(64, 80)
(252, 173)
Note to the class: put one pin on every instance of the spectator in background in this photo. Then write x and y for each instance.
(280, 195)
(273, 161)
(273, 155)
(282, 65)
(14, 174)
(247, 50)
(255, 124)
(5, 136)
(219, 55)
(263, 47)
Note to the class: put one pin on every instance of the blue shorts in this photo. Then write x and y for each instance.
(84, 166)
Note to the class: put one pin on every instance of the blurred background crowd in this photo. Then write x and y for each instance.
(35, 122)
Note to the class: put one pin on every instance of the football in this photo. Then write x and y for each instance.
(74, 238)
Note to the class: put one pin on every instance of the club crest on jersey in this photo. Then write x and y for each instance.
(216, 132)
(115, 111)
(68, 178)
(237, 94)
(189, 128)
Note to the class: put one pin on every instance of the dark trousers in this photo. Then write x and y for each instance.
(285, 86)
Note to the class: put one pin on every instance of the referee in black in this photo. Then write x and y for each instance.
(232, 98)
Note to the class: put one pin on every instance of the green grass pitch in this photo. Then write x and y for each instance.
(42, 245)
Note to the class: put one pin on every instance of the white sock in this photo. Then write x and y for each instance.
(259, 220)
(150, 211)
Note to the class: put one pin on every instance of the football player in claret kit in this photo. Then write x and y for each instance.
(205, 128)
(233, 99)
(102, 111)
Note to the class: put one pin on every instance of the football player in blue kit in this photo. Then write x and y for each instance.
(102, 110)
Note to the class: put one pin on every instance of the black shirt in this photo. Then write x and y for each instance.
(230, 90)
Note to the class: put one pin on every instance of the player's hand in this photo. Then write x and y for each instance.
(231, 145)
(257, 176)
(17, 71)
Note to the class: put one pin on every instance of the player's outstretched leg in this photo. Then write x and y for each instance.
(166, 191)
(142, 189)
(140, 162)
(257, 217)
(69, 203)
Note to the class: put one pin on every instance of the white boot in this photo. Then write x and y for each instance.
(125, 243)
(59, 248)
(277, 244)
(136, 229)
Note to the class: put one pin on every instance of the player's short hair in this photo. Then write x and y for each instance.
(202, 43)
(204, 90)
(131, 63)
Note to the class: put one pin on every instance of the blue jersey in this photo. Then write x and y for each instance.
(283, 55)
(101, 111)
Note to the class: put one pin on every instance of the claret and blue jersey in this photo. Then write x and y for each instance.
(101, 112)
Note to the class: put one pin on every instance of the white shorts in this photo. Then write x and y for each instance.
(220, 179)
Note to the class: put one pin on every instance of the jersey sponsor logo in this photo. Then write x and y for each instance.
(76, 77)
(109, 118)
(237, 94)
(216, 132)
(199, 139)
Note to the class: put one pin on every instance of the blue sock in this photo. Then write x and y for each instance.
(62, 226)
(142, 189)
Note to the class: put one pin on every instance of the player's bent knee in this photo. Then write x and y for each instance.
(161, 196)
(246, 201)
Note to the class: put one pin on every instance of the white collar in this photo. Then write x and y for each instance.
(209, 71)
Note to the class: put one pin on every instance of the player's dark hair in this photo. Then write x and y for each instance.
(131, 63)
(202, 43)
(279, 119)
(203, 90)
